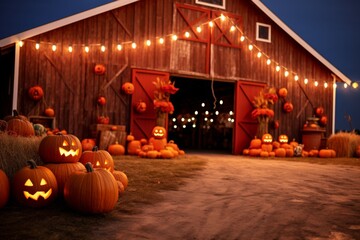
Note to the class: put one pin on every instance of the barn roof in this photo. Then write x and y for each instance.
(116, 4)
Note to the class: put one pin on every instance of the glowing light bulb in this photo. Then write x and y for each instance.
(133, 45)
(251, 47)
(103, 48)
(187, 34)
(70, 49)
(268, 62)
(316, 83)
(194, 125)
(87, 49)
(174, 119)
(231, 113)
(296, 77)
(211, 24)
(175, 126)
(334, 85)
(232, 28)
(203, 104)
(119, 47)
(174, 37)
(21, 43)
(259, 54)
(148, 42)
(196, 112)
(184, 126)
(222, 17)
(345, 85)
(355, 85)
(205, 119)
(277, 68)
(216, 112)
(183, 119)
(325, 85)
(286, 73)
(161, 40)
(306, 81)
(242, 38)
(221, 102)
(37, 46)
(53, 47)
(206, 112)
(198, 29)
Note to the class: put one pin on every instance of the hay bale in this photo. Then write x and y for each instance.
(344, 144)
(15, 151)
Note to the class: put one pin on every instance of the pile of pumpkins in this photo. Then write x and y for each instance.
(156, 147)
(86, 180)
(266, 147)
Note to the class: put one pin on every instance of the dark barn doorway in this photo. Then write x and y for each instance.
(7, 59)
(203, 118)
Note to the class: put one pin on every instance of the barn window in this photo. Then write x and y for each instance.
(263, 32)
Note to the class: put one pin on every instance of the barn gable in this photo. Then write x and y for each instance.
(227, 51)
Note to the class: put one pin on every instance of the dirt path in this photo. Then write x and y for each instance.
(238, 198)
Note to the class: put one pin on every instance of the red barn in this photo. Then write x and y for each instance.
(220, 54)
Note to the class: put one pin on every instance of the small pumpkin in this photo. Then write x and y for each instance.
(60, 148)
(289, 152)
(266, 147)
(20, 125)
(99, 69)
(314, 153)
(327, 153)
(121, 176)
(91, 191)
(4, 188)
(255, 143)
(103, 119)
(283, 138)
(130, 137)
(319, 111)
(254, 152)
(246, 152)
(323, 120)
(264, 154)
(134, 147)
(288, 107)
(36, 93)
(87, 144)
(165, 153)
(152, 154)
(128, 88)
(98, 159)
(62, 172)
(34, 186)
(116, 149)
(280, 152)
(276, 144)
(140, 107)
(101, 100)
(49, 112)
(282, 92)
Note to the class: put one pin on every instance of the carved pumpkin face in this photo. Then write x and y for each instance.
(98, 158)
(60, 148)
(267, 138)
(99, 69)
(128, 88)
(36, 93)
(159, 132)
(283, 138)
(34, 186)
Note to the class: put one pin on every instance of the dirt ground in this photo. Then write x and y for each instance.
(247, 198)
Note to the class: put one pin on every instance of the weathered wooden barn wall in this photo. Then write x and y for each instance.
(71, 87)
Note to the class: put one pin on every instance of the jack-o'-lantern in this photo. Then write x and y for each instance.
(158, 139)
(99, 69)
(36, 93)
(34, 186)
(98, 158)
(60, 148)
(140, 106)
(158, 132)
(267, 138)
(128, 88)
(288, 107)
(283, 138)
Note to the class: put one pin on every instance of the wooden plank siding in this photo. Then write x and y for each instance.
(71, 87)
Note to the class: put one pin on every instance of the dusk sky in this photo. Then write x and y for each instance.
(330, 27)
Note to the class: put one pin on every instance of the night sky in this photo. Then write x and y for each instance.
(330, 27)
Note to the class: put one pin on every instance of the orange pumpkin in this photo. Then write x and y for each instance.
(293, 143)
(101, 100)
(323, 120)
(264, 154)
(254, 152)
(140, 107)
(87, 144)
(246, 151)
(116, 149)
(99, 69)
(289, 152)
(319, 111)
(282, 92)
(134, 147)
(49, 112)
(276, 144)
(283, 138)
(267, 138)
(327, 153)
(280, 152)
(121, 176)
(152, 154)
(130, 137)
(288, 107)
(158, 139)
(36, 93)
(313, 153)
(128, 88)
(4, 188)
(255, 143)
(98, 158)
(19, 125)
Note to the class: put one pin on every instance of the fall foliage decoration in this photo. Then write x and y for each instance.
(163, 89)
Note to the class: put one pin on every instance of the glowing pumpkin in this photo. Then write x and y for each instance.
(34, 186)
(60, 148)
(4, 188)
(98, 159)
(128, 88)
(283, 138)
(267, 138)
(93, 190)
(158, 139)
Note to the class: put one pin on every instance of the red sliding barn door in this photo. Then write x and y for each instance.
(245, 127)
(141, 124)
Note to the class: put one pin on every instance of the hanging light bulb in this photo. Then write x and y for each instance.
(203, 104)
(296, 78)
(306, 81)
(133, 45)
(87, 49)
(268, 62)
(198, 29)
(119, 47)
(211, 24)
(251, 47)
(259, 54)
(21, 43)
(345, 85)
(70, 49)
(102, 48)
(286, 73)
(161, 40)
(316, 83)
(222, 17)
(196, 112)
(148, 43)
(277, 68)
(37, 46)
(53, 47)
(242, 38)
(174, 37)
(325, 85)
(221, 102)
(355, 85)
(335, 85)
(232, 28)
(187, 34)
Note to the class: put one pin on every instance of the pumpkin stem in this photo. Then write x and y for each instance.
(89, 167)
(95, 148)
(15, 113)
(31, 163)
